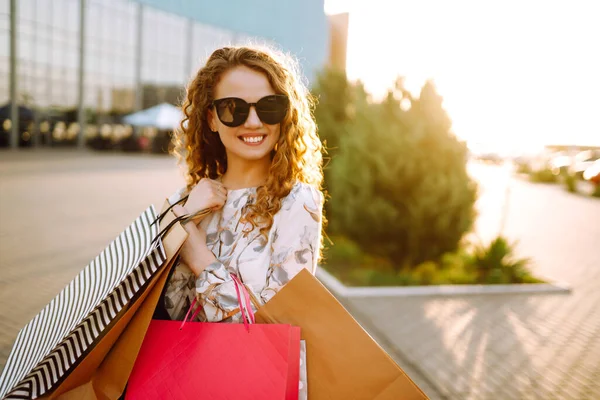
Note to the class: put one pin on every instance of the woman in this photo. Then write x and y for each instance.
(253, 158)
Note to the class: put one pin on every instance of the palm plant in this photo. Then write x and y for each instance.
(497, 263)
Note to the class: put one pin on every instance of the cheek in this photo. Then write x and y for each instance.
(227, 134)
(275, 131)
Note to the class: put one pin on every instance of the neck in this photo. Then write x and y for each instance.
(244, 174)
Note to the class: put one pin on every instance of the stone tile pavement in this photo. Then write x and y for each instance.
(511, 346)
(60, 208)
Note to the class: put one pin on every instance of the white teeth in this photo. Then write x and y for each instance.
(254, 139)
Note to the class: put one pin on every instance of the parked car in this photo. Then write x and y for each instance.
(592, 173)
(560, 163)
(583, 161)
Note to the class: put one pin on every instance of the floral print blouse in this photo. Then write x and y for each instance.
(264, 266)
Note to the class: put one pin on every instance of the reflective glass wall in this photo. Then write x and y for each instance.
(48, 52)
(4, 51)
(135, 56)
(110, 56)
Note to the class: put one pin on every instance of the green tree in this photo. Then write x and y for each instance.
(398, 182)
(333, 96)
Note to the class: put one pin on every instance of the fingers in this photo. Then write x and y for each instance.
(218, 190)
(215, 185)
(218, 194)
(207, 194)
(220, 200)
(221, 190)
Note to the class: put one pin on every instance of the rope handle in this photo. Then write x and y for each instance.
(188, 313)
(184, 219)
(248, 317)
(162, 216)
(247, 312)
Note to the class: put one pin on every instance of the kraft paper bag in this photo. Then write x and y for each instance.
(103, 373)
(342, 359)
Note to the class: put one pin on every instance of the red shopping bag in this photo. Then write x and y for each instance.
(217, 360)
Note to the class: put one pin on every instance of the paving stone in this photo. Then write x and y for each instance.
(551, 338)
(468, 347)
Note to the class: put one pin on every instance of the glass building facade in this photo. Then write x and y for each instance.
(136, 53)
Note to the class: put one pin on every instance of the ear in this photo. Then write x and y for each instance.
(212, 119)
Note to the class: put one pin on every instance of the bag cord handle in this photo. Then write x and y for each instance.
(246, 310)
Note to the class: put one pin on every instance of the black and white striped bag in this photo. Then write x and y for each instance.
(52, 344)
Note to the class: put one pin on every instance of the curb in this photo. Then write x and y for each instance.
(438, 290)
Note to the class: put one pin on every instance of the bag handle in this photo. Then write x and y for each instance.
(184, 219)
(247, 312)
(249, 316)
(161, 216)
(188, 313)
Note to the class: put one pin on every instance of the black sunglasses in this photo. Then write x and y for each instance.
(233, 111)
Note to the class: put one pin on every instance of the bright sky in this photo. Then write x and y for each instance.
(522, 72)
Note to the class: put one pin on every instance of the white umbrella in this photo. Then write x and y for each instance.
(162, 116)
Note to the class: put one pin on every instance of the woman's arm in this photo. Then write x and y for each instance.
(207, 194)
(195, 253)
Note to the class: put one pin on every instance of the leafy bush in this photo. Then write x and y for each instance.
(398, 179)
(523, 168)
(544, 175)
(334, 96)
(493, 264)
(496, 263)
(570, 182)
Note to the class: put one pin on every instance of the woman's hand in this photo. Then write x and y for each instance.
(194, 252)
(208, 194)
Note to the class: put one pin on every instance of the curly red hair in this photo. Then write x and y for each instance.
(298, 157)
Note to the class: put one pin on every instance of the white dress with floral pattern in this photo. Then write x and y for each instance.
(264, 266)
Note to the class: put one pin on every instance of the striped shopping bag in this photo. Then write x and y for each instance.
(59, 337)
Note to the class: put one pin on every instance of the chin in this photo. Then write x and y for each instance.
(252, 154)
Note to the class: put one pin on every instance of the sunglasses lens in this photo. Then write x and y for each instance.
(232, 112)
(272, 109)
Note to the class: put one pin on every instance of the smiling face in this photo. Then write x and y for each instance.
(253, 140)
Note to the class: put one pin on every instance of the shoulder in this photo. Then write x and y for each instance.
(302, 197)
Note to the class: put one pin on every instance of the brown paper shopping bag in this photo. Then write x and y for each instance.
(343, 361)
(103, 373)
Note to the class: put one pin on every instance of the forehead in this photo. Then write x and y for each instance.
(244, 83)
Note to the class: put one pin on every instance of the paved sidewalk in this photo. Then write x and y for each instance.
(59, 209)
(512, 346)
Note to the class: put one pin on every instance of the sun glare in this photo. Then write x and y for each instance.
(514, 73)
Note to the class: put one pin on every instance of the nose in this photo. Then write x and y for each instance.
(253, 122)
